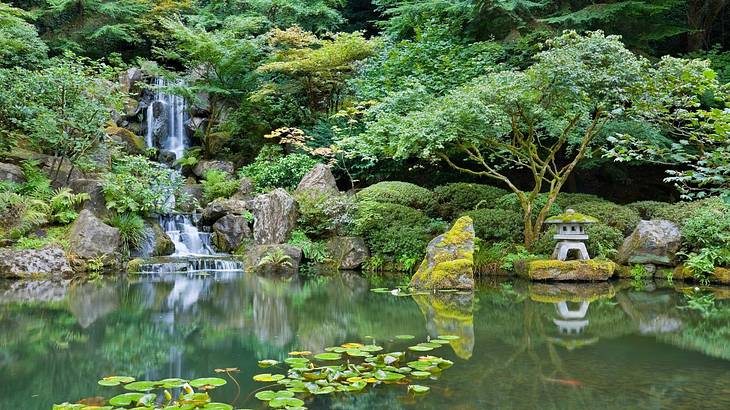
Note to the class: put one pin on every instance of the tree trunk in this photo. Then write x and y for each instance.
(701, 15)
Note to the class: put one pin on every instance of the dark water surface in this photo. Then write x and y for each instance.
(521, 346)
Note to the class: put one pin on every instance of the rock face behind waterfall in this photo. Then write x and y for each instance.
(449, 261)
(91, 238)
(275, 215)
(229, 232)
(652, 242)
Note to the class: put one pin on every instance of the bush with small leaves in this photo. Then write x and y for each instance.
(616, 216)
(648, 209)
(218, 184)
(497, 225)
(567, 199)
(708, 227)
(272, 169)
(456, 198)
(401, 193)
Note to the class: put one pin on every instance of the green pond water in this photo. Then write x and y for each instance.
(521, 345)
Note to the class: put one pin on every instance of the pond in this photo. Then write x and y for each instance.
(521, 345)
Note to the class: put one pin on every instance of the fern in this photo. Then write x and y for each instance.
(64, 203)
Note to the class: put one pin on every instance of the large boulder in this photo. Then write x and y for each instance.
(91, 238)
(245, 190)
(49, 262)
(283, 259)
(348, 252)
(550, 269)
(229, 232)
(12, 173)
(221, 207)
(652, 242)
(320, 180)
(275, 215)
(202, 167)
(449, 261)
(155, 242)
(96, 202)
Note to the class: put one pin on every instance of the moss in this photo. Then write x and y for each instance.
(401, 193)
(542, 269)
(461, 232)
(571, 217)
(134, 265)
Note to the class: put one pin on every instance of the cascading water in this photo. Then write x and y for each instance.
(166, 129)
(171, 112)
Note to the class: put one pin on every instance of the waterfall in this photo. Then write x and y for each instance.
(172, 116)
(188, 239)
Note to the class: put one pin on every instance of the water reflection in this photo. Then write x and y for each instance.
(524, 345)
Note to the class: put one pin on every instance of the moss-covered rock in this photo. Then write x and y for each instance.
(129, 141)
(550, 269)
(720, 275)
(449, 261)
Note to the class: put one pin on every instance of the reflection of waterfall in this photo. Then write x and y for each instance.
(271, 320)
(166, 117)
(185, 293)
(185, 235)
(572, 322)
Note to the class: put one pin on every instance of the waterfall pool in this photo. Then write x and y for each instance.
(521, 345)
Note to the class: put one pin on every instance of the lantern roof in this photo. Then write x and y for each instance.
(571, 217)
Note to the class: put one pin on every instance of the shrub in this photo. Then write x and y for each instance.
(708, 227)
(53, 236)
(567, 199)
(616, 216)
(218, 184)
(271, 169)
(681, 211)
(138, 185)
(131, 230)
(393, 230)
(497, 225)
(313, 250)
(401, 193)
(648, 209)
(454, 199)
(19, 214)
(37, 185)
(322, 214)
(512, 203)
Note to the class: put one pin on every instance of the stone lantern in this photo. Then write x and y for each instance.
(570, 232)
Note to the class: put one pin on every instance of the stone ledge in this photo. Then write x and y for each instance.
(550, 269)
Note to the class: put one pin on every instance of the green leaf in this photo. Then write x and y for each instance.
(125, 399)
(417, 389)
(328, 356)
(208, 381)
(115, 380)
(286, 402)
(141, 386)
(267, 377)
(404, 337)
(267, 363)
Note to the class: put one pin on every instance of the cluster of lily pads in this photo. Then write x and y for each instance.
(141, 395)
(351, 367)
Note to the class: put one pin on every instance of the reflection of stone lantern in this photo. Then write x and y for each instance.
(570, 232)
(572, 322)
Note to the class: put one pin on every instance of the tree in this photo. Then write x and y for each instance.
(20, 45)
(543, 120)
(59, 110)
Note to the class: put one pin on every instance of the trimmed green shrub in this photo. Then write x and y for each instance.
(322, 215)
(708, 227)
(512, 203)
(456, 198)
(401, 193)
(497, 225)
(567, 199)
(393, 230)
(272, 169)
(616, 216)
(681, 211)
(648, 209)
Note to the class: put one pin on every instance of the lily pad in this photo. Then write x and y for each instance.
(300, 353)
(217, 406)
(380, 290)
(208, 381)
(268, 377)
(420, 348)
(417, 388)
(141, 386)
(388, 376)
(173, 383)
(449, 337)
(267, 363)
(125, 399)
(328, 356)
(405, 337)
(267, 395)
(419, 374)
(440, 341)
(371, 348)
(115, 380)
(429, 344)
(296, 361)
(286, 402)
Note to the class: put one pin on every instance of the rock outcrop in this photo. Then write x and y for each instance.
(221, 207)
(275, 215)
(652, 242)
(348, 252)
(320, 180)
(96, 202)
(229, 232)
(49, 262)
(91, 238)
(550, 269)
(202, 167)
(12, 173)
(449, 261)
(283, 259)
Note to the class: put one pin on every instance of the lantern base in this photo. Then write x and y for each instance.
(562, 248)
